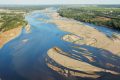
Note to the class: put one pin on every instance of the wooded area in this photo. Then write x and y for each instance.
(109, 17)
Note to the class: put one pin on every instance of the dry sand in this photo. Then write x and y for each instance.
(81, 34)
(89, 34)
(74, 64)
(9, 35)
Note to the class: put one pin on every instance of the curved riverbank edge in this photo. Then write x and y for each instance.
(7, 36)
(111, 44)
(65, 65)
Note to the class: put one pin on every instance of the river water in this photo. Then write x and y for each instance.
(23, 58)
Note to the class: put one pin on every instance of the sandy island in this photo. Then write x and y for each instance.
(90, 35)
(80, 34)
(72, 66)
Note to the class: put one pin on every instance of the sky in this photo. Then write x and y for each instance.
(59, 1)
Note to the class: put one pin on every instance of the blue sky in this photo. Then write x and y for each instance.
(59, 1)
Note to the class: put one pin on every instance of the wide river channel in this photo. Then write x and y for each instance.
(23, 58)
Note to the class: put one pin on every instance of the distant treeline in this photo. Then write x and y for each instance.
(13, 16)
(26, 7)
(109, 6)
(109, 17)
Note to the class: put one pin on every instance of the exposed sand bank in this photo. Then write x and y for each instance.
(89, 34)
(82, 34)
(9, 35)
(79, 40)
(89, 70)
(27, 28)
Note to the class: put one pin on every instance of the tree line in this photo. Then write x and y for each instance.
(109, 17)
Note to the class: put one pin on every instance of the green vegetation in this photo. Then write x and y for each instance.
(109, 17)
(26, 8)
(12, 16)
(10, 20)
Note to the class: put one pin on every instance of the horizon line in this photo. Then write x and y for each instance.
(59, 4)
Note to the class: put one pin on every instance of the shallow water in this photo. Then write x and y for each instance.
(107, 31)
(23, 58)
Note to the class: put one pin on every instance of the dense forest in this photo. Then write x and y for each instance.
(109, 17)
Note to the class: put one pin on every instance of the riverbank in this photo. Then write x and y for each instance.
(27, 28)
(9, 35)
(87, 33)
(73, 67)
(106, 17)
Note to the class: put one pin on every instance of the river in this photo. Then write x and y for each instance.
(23, 58)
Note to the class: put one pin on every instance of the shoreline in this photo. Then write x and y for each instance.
(88, 33)
(73, 66)
(7, 36)
(27, 28)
